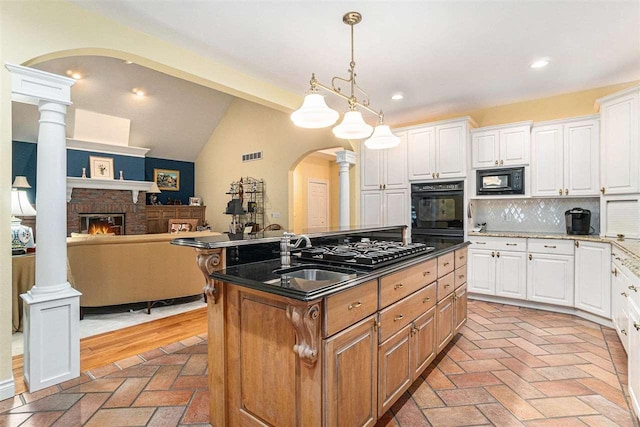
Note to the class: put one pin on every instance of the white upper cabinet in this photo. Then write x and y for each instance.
(384, 169)
(439, 150)
(620, 134)
(384, 207)
(501, 145)
(422, 153)
(547, 161)
(565, 158)
(582, 158)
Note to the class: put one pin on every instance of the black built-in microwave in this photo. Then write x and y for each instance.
(500, 181)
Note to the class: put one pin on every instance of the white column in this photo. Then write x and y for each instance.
(345, 159)
(52, 306)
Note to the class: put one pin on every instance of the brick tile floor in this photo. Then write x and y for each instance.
(510, 366)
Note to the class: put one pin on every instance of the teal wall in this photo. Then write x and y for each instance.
(25, 158)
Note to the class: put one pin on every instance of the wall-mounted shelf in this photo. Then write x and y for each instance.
(250, 191)
(108, 184)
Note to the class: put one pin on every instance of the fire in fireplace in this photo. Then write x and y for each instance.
(102, 223)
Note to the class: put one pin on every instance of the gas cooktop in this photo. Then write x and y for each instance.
(367, 254)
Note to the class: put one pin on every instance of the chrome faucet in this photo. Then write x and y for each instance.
(286, 246)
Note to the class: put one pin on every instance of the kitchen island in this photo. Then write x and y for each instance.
(285, 351)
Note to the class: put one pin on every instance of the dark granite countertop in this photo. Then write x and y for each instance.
(261, 276)
(239, 239)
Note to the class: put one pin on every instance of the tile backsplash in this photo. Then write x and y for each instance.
(532, 215)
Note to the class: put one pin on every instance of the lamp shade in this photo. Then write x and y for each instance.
(352, 126)
(154, 189)
(21, 182)
(382, 138)
(314, 113)
(20, 205)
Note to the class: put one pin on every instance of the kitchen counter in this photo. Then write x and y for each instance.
(630, 246)
(239, 239)
(260, 275)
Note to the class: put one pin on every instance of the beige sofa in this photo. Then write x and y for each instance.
(111, 270)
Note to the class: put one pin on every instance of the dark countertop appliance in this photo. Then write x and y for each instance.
(578, 221)
(492, 182)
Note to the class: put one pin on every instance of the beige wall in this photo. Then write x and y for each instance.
(555, 107)
(248, 127)
(313, 167)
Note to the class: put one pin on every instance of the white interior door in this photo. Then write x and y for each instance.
(317, 203)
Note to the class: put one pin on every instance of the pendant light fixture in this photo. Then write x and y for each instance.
(314, 112)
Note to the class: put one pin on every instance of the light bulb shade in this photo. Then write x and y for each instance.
(20, 205)
(314, 113)
(352, 126)
(21, 182)
(382, 138)
(154, 189)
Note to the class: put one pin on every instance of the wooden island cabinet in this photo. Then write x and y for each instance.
(341, 359)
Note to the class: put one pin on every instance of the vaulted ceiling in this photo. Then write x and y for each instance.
(443, 56)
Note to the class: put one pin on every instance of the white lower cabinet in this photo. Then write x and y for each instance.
(550, 278)
(500, 269)
(511, 274)
(593, 277)
(634, 357)
(619, 303)
(481, 271)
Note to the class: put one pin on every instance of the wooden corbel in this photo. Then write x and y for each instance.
(210, 260)
(306, 322)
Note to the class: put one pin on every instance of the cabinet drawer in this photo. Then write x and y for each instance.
(400, 314)
(398, 285)
(348, 307)
(460, 257)
(618, 255)
(498, 243)
(460, 276)
(446, 285)
(445, 264)
(551, 246)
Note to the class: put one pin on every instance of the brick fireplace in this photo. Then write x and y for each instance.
(90, 200)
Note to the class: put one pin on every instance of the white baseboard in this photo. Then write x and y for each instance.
(7, 388)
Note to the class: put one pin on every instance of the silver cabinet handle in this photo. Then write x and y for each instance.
(496, 163)
(501, 162)
(511, 244)
(550, 246)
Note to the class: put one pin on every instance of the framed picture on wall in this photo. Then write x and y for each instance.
(101, 167)
(167, 179)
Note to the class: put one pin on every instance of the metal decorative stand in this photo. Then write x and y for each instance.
(246, 205)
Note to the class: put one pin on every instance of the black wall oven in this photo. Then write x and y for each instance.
(437, 213)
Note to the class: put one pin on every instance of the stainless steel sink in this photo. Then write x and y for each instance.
(311, 276)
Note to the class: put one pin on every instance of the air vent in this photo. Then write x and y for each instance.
(252, 156)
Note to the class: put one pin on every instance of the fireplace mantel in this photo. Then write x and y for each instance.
(108, 184)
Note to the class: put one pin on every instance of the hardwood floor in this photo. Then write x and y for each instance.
(103, 349)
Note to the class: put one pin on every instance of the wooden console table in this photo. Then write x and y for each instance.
(158, 216)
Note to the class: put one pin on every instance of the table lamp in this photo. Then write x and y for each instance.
(153, 191)
(21, 235)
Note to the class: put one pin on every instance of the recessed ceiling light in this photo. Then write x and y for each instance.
(540, 63)
(138, 91)
(128, 62)
(74, 74)
(397, 97)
